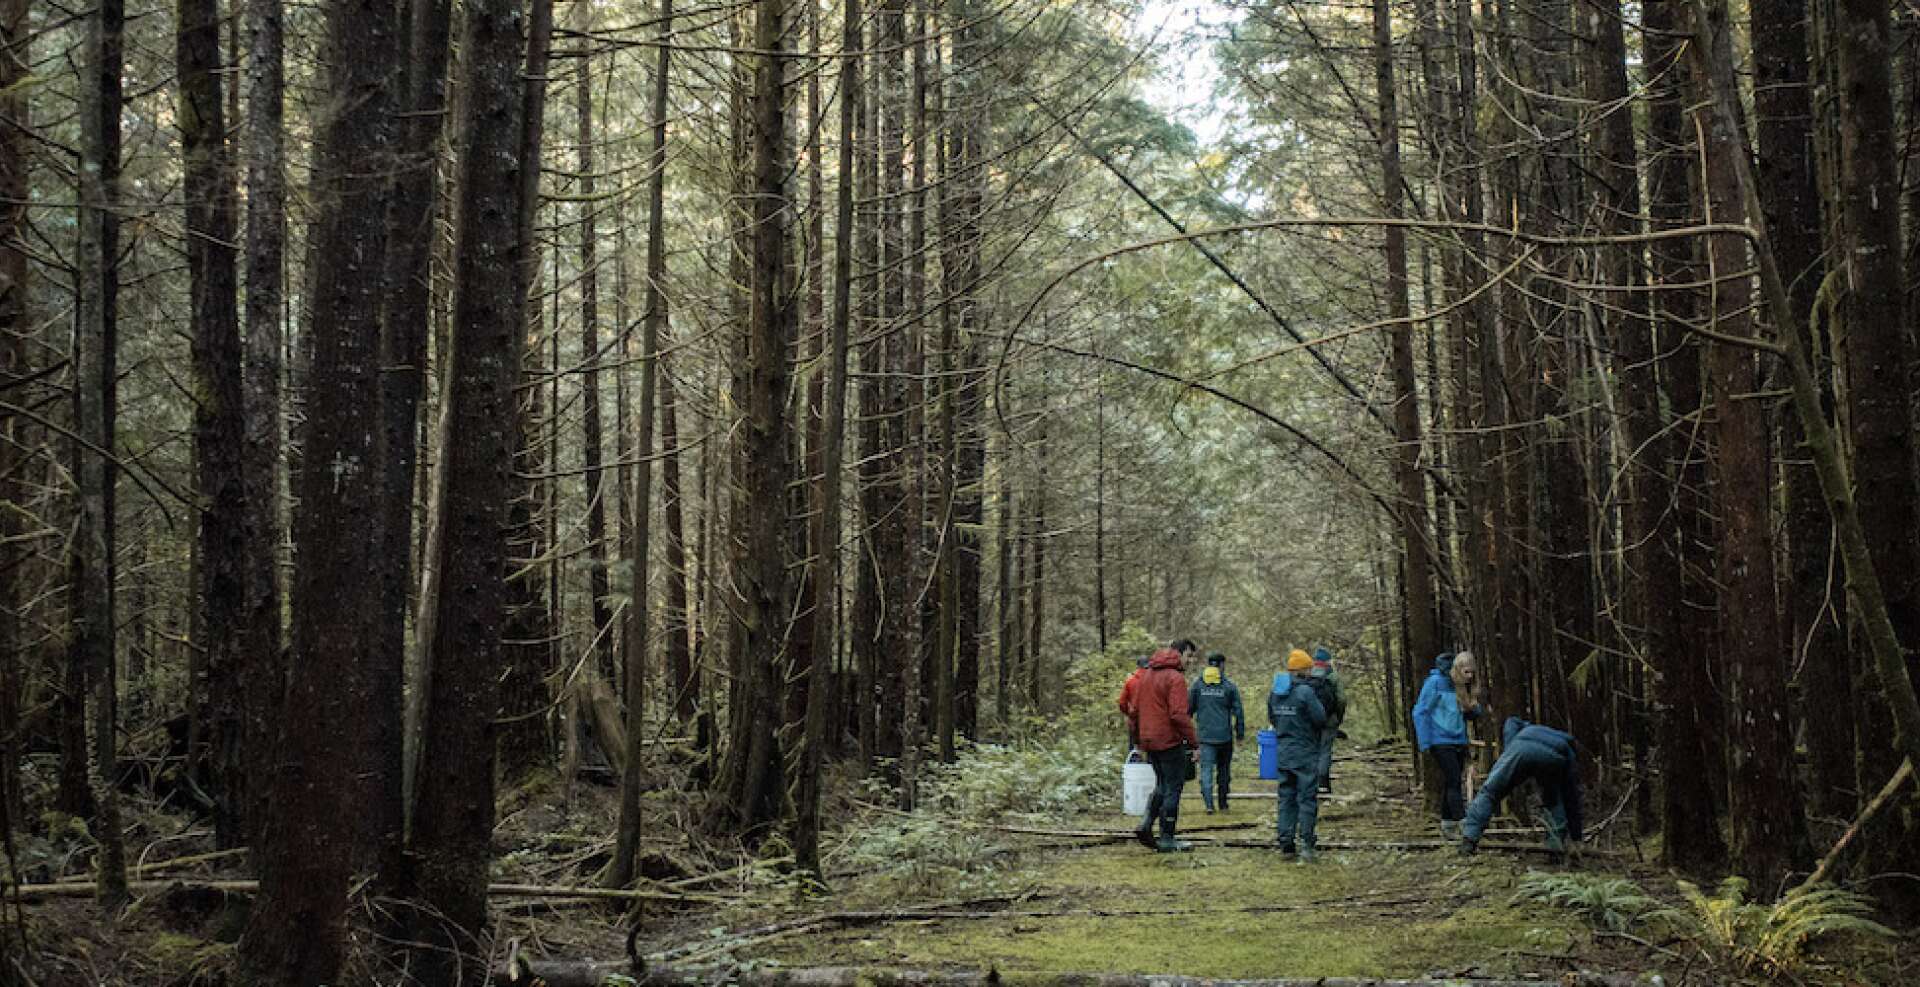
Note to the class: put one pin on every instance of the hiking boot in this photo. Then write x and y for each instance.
(1168, 844)
(1306, 856)
(1286, 848)
(1449, 829)
(1468, 848)
(1144, 836)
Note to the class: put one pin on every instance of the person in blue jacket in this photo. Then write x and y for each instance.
(1440, 718)
(1543, 755)
(1297, 717)
(1220, 720)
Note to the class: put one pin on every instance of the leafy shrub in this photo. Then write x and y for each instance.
(1611, 903)
(1802, 937)
(990, 782)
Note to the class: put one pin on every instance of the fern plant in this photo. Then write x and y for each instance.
(1786, 940)
(1611, 903)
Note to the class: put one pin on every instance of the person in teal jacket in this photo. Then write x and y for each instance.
(1440, 718)
(1297, 716)
(1220, 720)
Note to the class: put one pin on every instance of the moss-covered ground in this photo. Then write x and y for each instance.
(1226, 911)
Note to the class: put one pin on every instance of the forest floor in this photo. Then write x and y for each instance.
(1077, 894)
(1027, 897)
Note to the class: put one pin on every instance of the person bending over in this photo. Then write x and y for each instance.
(1545, 756)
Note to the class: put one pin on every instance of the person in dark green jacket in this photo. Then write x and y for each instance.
(1220, 720)
(1326, 684)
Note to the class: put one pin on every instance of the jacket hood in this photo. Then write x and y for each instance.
(1444, 664)
(1165, 658)
(1511, 730)
(1282, 683)
(1211, 675)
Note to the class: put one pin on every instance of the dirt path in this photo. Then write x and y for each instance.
(1043, 900)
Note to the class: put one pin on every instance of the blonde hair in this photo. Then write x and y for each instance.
(1463, 663)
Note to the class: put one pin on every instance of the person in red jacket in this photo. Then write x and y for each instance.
(1164, 727)
(1125, 702)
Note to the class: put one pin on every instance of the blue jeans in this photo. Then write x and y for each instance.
(1299, 805)
(1216, 759)
(1509, 773)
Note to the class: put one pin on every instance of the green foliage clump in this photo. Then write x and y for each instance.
(1612, 903)
(1808, 936)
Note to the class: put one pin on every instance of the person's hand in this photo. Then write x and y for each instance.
(1193, 754)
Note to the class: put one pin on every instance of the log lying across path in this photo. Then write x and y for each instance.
(83, 889)
(523, 973)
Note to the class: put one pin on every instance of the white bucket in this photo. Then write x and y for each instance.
(1137, 783)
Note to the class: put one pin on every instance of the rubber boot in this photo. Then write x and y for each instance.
(1168, 844)
(1306, 856)
(1144, 836)
(1449, 829)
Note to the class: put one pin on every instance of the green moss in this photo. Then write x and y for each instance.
(1229, 913)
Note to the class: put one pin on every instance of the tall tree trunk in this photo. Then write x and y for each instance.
(295, 933)
(1878, 363)
(1689, 807)
(627, 848)
(1415, 537)
(683, 674)
(751, 777)
(219, 417)
(96, 341)
(1037, 583)
(1769, 831)
(534, 623)
(832, 446)
(263, 672)
(15, 329)
(1783, 111)
(403, 359)
(590, 364)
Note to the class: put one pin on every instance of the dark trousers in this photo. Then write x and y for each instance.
(1452, 759)
(1169, 776)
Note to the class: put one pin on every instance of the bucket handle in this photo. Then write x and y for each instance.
(1135, 757)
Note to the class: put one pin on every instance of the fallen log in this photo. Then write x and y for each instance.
(524, 973)
(86, 889)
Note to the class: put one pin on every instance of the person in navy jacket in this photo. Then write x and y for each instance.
(1546, 756)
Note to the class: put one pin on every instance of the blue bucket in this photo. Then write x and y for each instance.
(1269, 755)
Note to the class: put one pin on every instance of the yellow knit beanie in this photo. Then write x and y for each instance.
(1299, 661)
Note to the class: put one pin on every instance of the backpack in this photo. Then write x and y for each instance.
(1323, 688)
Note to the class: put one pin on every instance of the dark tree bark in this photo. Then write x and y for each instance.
(95, 403)
(627, 847)
(404, 334)
(1769, 831)
(453, 821)
(219, 416)
(1783, 112)
(296, 929)
(683, 674)
(262, 662)
(1036, 611)
(15, 365)
(832, 446)
(1416, 539)
(590, 371)
(1685, 719)
(534, 616)
(751, 778)
(1878, 364)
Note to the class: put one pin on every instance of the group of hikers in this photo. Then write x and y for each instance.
(1177, 725)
